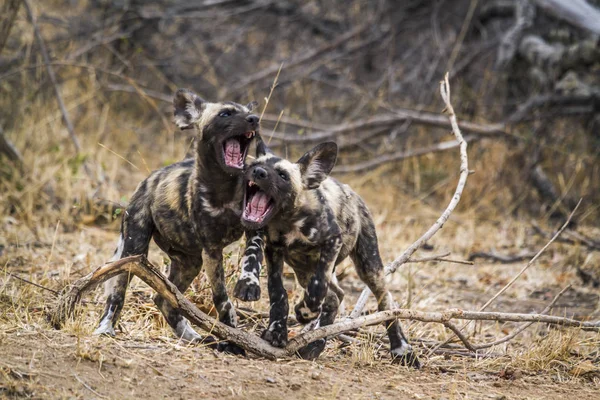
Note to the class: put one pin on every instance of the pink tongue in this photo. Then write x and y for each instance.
(258, 205)
(232, 153)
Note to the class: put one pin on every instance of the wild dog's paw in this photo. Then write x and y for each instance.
(105, 330)
(105, 327)
(405, 357)
(231, 348)
(304, 314)
(276, 334)
(246, 290)
(312, 350)
(315, 292)
(208, 341)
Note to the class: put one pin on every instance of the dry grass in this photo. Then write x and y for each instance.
(51, 236)
(52, 233)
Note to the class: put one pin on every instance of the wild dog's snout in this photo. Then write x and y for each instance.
(253, 119)
(259, 173)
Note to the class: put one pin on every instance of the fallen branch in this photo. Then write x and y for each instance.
(576, 12)
(142, 268)
(464, 172)
(400, 155)
(524, 15)
(337, 132)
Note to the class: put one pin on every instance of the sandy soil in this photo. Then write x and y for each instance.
(54, 365)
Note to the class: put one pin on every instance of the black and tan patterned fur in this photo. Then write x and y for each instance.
(191, 209)
(313, 222)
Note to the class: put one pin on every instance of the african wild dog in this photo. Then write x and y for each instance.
(192, 209)
(313, 222)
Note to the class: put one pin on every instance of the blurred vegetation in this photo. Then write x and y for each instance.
(535, 149)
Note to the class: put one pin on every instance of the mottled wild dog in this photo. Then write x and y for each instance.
(313, 222)
(192, 209)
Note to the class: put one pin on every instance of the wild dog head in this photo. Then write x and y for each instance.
(273, 186)
(227, 127)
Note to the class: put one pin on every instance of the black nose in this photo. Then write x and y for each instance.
(259, 173)
(253, 119)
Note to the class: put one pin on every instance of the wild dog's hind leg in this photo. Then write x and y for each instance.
(317, 287)
(369, 267)
(182, 271)
(213, 261)
(136, 232)
(247, 287)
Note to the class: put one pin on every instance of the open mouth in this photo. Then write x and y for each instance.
(235, 149)
(258, 205)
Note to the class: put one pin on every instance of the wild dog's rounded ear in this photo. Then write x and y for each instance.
(187, 108)
(252, 105)
(261, 147)
(317, 163)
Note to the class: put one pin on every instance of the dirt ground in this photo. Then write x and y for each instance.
(57, 365)
(146, 361)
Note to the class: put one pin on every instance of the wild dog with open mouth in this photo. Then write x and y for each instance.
(192, 210)
(313, 222)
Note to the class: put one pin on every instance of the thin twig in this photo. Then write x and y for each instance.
(539, 253)
(440, 258)
(503, 258)
(425, 259)
(402, 155)
(85, 385)
(54, 292)
(460, 335)
(52, 76)
(522, 327)
(464, 173)
(513, 280)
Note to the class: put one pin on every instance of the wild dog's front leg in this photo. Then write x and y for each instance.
(315, 291)
(329, 311)
(276, 333)
(247, 287)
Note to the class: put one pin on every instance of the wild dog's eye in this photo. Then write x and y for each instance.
(284, 176)
(225, 113)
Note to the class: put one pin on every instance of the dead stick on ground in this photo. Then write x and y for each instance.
(523, 327)
(514, 279)
(142, 268)
(440, 258)
(464, 173)
(52, 76)
(539, 253)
